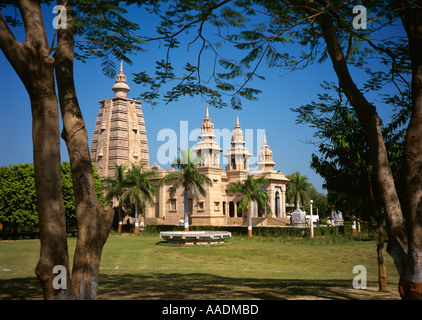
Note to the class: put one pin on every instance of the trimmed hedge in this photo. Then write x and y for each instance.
(29, 235)
(270, 231)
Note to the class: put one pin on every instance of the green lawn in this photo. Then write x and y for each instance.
(135, 267)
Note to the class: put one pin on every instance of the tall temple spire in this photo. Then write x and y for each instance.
(265, 155)
(207, 147)
(120, 88)
(238, 156)
(119, 133)
(237, 122)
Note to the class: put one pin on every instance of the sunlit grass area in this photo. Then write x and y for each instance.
(140, 267)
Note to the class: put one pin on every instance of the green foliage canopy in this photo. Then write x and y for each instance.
(18, 201)
(18, 207)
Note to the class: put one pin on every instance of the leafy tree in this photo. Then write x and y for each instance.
(115, 187)
(96, 29)
(187, 177)
(324, 30)
(321, 203)
(343, 161)
(68, 193)
(18, 201)
(18, 207)
(138, 189)
(298, 189)
(252, 190)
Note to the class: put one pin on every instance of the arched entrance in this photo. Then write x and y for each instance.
(231, 209)
(277, 202)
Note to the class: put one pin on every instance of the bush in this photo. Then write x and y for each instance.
(272, 231)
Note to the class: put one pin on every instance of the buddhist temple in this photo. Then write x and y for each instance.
(120, 137)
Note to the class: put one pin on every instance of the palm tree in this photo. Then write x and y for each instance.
(139, 190)
(188, 177)
(252, 190)
(115, 187)
(298, 188)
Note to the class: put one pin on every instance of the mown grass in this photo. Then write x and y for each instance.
(136, 267)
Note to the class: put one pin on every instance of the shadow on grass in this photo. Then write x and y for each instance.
(209, 286)
(20, 289)
(169, 286)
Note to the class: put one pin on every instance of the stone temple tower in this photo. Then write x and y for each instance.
(238, 155)
(119, 133)
(207, 147)
(265, 162)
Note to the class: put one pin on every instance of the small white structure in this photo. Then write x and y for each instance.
(315, 218)
(337, 218)
(298, 217)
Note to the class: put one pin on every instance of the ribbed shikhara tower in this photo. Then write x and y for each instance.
(119, 133)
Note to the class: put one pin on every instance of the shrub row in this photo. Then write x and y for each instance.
(270, 231)
(28, 235)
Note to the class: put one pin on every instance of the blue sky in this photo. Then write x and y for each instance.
(287, 140)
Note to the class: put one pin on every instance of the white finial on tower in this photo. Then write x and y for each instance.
(121, 88)
(206, 114)
(265, 139)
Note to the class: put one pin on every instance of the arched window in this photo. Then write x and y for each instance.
(239, 213)
(231, 209)
(277, 203)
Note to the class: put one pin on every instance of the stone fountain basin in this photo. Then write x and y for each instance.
(195, 237)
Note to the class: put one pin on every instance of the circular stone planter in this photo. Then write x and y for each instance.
(195, 237)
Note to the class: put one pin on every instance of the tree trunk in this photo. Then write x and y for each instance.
(382, 266)
(50, 206)
(410, 286)
(136, 217)
(119, 230)
(249, 209)
(368, 117)
(186, 207)
(375, 207)
(94, 222)
(35, 68)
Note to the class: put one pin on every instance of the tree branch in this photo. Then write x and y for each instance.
(13, 50)
(34, 25)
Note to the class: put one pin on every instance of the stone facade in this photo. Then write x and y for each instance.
(120, 137)
(219, 207)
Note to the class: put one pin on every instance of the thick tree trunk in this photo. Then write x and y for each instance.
(52, 219)
(410, 286)
(94, 222)
(35, 67)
